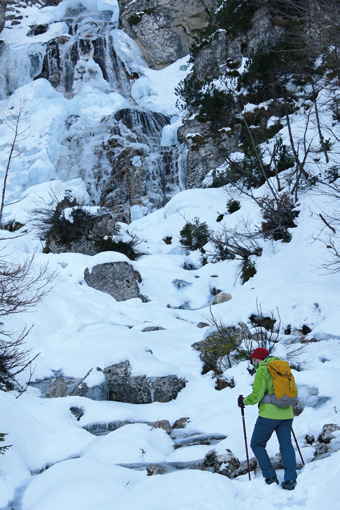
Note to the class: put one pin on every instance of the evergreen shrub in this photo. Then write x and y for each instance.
(194, 235)
(233, 206)
(3, 449)
(248, 270)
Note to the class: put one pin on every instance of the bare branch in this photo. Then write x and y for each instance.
(22, 286)
(327, 224)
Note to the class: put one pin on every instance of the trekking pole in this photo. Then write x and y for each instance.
(245, 440)
(303, 462)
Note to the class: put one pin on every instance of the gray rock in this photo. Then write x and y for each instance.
(156, 469)
(181, 423)
(263, 31)
(243, 469)
(181, 284)
(226, 464)
(222, 383)
(205, 152)
(166, 388)
(320, 450)
(57, 388)
(327, 433)
(165, 29)
(148, 329)
(212, 56)
(64, 386)
(118, 279)
(141, 389)
(122, 369)
(78, 412)
(202, 325)
(222, 297)
(161, 424)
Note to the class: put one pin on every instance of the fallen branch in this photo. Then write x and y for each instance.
(71, 392)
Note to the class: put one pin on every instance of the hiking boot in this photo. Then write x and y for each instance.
(271, 480)
(289, 485)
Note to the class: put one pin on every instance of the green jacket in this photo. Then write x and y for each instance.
(263, 384)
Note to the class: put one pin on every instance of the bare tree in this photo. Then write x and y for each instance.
(330, 233)
(17, 123)
(22, 286)
(14, 358)
(239, 244)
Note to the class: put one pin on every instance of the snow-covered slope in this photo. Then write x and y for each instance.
(77, 328)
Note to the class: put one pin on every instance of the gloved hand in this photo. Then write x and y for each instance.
(240, 401)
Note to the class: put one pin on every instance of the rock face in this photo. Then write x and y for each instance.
(123, 387)
(118, 279)
(165, 29)
(3, 4)
(203, 143)
(208, 142)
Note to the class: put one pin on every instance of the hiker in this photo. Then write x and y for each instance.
(271, 417)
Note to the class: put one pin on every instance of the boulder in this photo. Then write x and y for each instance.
(327, 433)
(226, 464)
(140, 389)
(118, 279)
(222, 297)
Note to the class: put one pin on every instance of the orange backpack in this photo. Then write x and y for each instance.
(285, 390)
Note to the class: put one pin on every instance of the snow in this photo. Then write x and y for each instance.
(54, 462)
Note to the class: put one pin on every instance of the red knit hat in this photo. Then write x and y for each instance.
(260, 353)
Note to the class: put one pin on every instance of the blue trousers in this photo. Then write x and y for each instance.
(263, 430)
